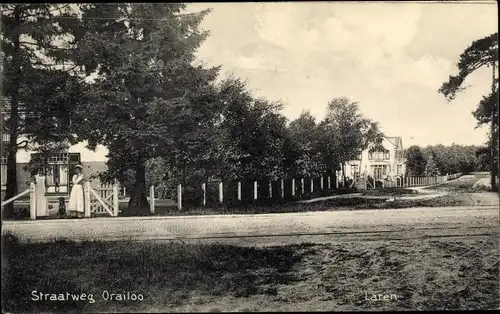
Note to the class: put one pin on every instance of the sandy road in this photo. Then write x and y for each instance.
(271, 229)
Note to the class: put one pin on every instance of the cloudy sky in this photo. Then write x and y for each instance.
(390, 57)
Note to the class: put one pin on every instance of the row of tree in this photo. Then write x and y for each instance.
(440, 159)
(124, 75)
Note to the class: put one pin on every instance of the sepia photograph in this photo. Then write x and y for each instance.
(314, 156)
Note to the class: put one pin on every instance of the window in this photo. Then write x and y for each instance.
(354, 170)
(399, 155)
(379, 155)
(387, 155)
(57, 171)
(399, 169)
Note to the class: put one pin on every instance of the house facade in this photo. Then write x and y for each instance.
(59, 167)
(379, 164)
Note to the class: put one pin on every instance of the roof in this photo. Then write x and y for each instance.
(396, 141)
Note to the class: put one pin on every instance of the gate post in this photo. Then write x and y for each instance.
(321, 183)
(282, 188)
(302, 185)
(221, 193)
(115, 199)
(329, 183)
(293, 186)
(204, 188)
(239, 190)
(32, 201)
(312, 185)
(270, 189)
(87, 199)
(152, 199)
(255, 190)
(179, 196)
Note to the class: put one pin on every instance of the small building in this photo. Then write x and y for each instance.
(59, 167)
(387, 163)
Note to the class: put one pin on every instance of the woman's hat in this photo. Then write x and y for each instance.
(79, 166)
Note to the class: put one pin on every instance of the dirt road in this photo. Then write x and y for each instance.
(271, 229)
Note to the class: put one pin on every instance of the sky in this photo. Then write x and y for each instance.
(389, 57)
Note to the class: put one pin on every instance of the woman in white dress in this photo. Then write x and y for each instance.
(40, 190)
(76, 203)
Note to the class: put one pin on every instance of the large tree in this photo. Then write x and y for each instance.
(149, 95)
(254, 133)
(39, 87)
(415, 161)
(349, 131)
(305, 137)
(481, 53)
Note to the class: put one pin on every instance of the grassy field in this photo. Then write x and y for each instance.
(437, 274)
(390, 192)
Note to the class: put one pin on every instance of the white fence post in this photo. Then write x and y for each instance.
(124, 191)
(204, 188)
(86, 208)
(239, 190)
(336, 180)
(293, 187)
(302, 185)
(255, 190)
(32, 201)
(270, 189)
(329, 183)
(221, 193)
(282, 188)
(179, 197)
(115, 199)
(321, 183)
(152, 199)
(312, 185)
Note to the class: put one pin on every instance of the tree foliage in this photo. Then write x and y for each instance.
(431, 168)
(415, 161)
(38, 93)
(349, 131)
(149, 98)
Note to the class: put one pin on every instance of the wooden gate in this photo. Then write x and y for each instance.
(102, 200)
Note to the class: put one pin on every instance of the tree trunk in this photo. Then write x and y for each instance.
(11, 184)
(138, 204)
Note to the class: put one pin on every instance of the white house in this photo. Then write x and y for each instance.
(379, 164)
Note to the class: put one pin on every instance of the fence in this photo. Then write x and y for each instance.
(403, 181)
(99, 200)
(244, 192)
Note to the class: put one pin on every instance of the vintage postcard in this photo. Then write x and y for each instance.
(249, 156)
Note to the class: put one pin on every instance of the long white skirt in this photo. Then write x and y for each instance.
(41, 200)
(76, 199)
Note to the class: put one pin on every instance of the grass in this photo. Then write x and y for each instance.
(462, 184)
(332, 204)
(390, 192)
(424, 274)
(441, 201)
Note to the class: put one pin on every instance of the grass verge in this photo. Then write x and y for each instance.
(424, 275)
